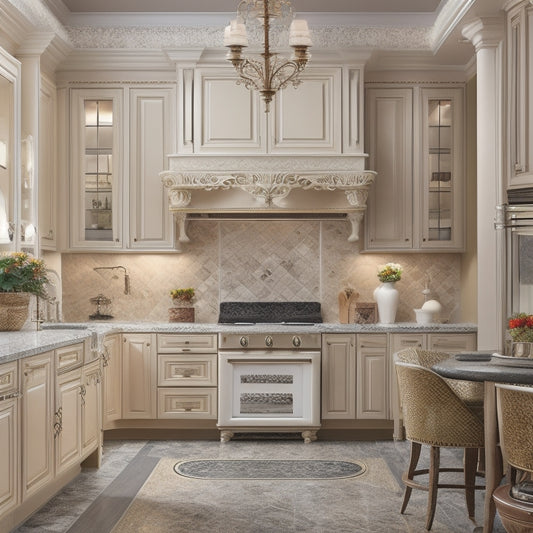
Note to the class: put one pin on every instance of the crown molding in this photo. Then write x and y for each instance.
(449, 17)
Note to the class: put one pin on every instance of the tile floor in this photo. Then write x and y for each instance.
(97, 498)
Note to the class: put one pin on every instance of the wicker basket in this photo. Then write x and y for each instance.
(181, 314)
(13, 310)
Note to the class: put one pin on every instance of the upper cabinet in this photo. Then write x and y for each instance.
(520, 95)
(415, 143)
(120, 139)
(10, 96)
(228, 118)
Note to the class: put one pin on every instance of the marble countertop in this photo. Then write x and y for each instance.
(18, 344)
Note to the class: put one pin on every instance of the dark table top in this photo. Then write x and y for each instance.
(479, 367)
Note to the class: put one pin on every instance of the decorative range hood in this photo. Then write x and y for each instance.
(268, 186)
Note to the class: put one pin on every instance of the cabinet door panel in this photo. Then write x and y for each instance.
(112, 366)
(227, 115)
(37, 421)
(452, 342)
(68, 405)
(9, 458)
(139, 380)
(91, 408)
(389, 134)
(372, 377)
(308, 119)
(152, 137)
(338, 376)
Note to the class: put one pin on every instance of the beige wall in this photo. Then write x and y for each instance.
(469, 258)
(255, 260)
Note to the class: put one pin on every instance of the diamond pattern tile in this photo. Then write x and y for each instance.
(255, 260)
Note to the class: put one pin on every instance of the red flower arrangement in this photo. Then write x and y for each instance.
(521, 327)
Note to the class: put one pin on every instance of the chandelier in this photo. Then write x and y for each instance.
(272, 72)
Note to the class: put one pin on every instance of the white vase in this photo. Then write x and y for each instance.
(387, 298)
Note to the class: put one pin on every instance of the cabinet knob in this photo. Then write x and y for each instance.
(147, 344)
(269, 341)
(243, 341)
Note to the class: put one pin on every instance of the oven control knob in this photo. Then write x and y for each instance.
(269, 341)
(243, 341)
(296, 341)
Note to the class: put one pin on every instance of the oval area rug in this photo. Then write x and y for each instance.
(268, 469)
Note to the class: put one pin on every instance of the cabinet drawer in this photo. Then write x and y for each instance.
(187, 403)
(186, 343)
(452, 343)
(69, 357)
(8, 378)
(174, 370)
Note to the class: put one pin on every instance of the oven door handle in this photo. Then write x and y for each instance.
(268, 360)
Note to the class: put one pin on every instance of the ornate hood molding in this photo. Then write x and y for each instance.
(259, 185)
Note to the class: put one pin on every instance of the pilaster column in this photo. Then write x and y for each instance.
(486, 34)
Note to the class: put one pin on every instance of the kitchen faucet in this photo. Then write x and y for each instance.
(126, 275)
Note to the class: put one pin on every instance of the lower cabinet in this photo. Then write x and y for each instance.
(139, 376)
(338, 376)
(112, 379)
(372, 377)
(9, 437)
(358, 375)
(37, 422)
(91, 408)
(187, 377)
(67, 425)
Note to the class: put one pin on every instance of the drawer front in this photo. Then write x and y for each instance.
(9, 378)
(452, 342)
(69, 357)
(187, 403)
(177, 370)
(407, 340)
(186, 343)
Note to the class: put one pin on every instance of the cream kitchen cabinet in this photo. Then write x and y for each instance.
(91, 408)
(139, 376)
(67, 426)
(48, 170)
(112, 379)
(520, 94)
(338, 376)
(187, 376)
(37, 415)
(9, 437)
(415, 143)
(120, 138)
(372, 377)
(228, 118)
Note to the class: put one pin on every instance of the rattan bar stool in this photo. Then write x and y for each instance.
(514, 500)
(435, 416)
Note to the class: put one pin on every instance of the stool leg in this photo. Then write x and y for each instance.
(470, 460)
(416, 447)
(434, 465)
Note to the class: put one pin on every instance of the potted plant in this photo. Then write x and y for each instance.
(182, 310)
(521, 332)
(20, 277)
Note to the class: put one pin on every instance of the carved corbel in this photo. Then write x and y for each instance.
(355, 218)
(181, 219)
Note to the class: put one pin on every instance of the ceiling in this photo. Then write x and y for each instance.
(217, 6)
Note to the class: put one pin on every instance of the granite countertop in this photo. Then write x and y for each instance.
(17, 344)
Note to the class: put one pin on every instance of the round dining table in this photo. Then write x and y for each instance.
(491, 369)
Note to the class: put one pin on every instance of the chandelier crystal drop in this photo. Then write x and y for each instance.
(271, 72)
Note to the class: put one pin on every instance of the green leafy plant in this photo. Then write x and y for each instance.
(182, 294)
(21, 273)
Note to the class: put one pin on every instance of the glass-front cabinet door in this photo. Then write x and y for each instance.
(9, 149)
(96, 173)
(442, 169)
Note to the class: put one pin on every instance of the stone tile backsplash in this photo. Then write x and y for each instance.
(255, 260)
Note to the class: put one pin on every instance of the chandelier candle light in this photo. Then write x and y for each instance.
(273, 72)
